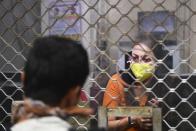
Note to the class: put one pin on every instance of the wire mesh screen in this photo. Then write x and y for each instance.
(107, 29)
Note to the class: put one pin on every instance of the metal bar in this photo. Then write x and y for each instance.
(102, 117)
(157, 119)
(130, 111)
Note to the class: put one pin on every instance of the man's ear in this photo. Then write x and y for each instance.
(71, 98)
(22, 77)
(75, 92)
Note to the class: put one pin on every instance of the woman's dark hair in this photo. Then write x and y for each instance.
(53, 67)
(145, 39)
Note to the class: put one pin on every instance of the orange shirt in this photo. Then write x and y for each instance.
(115, 95)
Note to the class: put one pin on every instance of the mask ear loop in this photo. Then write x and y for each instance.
(130, 62)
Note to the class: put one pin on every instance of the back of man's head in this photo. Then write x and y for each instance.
(54, 66)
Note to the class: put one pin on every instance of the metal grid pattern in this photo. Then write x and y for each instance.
(107, 29)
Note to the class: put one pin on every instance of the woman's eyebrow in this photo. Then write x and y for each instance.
(146, 56)
(135, 55)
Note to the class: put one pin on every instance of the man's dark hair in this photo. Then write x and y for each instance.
(53, 67)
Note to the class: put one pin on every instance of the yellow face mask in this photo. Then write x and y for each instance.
(142, 71)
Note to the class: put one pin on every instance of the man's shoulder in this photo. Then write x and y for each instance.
(42, 124)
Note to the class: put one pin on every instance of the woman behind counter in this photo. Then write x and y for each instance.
(141, 67)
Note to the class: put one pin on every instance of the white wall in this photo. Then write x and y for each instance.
(128, 24)
(108, 31)
(183, 33)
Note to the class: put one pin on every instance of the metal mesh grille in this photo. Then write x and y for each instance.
(107, 29)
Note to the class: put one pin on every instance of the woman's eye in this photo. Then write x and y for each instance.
(135, 58)
(147, 59)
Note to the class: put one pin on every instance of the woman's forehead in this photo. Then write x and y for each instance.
(140, 49)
